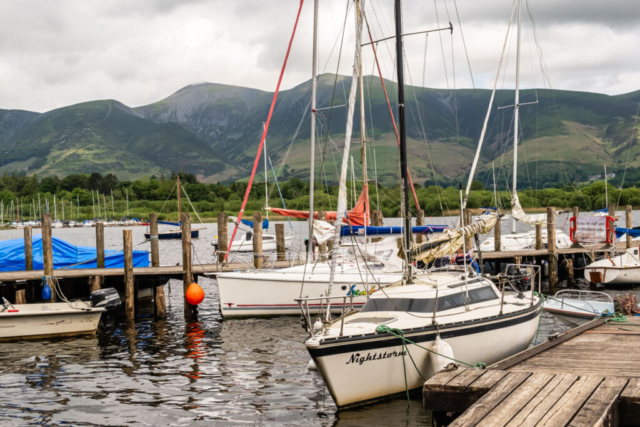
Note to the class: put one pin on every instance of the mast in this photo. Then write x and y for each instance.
(516, 113)
(78, 203)
(104, 205)
(126, 190)
(314, 86)
(55, 208)
(403, 137)
(113, 210)
(266, 185)
(606, 188)
(179, 207)
(363, 141)
(62, 203)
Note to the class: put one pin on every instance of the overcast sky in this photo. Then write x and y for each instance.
(57, 53)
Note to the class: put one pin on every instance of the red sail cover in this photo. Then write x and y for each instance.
(359, 215)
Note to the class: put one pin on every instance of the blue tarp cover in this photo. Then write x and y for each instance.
(601, 210)
(358, 230)
(65, 255)
(265, 223)
(630, 231)
(177, 224)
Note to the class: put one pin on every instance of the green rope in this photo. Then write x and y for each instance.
(618, 318)
(398, 333)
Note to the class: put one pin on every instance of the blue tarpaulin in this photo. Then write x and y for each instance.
(177, 224)
(65, 255)
(265, 223)
(601, 210)
(630, 231)
(358, 230)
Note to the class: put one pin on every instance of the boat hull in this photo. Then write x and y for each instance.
(372, 367)
(620, 270)
(195, 234)
(251, 295)
(47, 324)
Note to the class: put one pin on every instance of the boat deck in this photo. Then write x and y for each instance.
(585, 377)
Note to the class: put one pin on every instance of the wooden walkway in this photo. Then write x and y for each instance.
(171, 270)
(589, 376)
(491, 255)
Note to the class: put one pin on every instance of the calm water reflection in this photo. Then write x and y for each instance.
(166, 372)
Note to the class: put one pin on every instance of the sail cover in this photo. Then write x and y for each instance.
(356, 216)
(518, 213)
(451, 240)
(65, 255)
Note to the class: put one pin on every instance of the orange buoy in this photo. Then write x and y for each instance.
(195, 294)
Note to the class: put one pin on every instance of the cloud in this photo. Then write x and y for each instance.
(54, 54)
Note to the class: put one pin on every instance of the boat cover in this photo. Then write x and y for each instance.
(265, 223)
(177, 224)
(65, 255)
(630, 231)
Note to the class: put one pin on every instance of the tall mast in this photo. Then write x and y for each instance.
(179, 207)
(62, 203)
(266, 185)
(363, 140)
(606, 188)
(314, 84)
(55, 208)
(403, 137)
(113, 210)
(516, 117)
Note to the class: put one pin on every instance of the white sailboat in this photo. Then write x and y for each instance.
(361, 356)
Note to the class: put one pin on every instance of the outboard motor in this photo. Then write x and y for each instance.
(106, 298)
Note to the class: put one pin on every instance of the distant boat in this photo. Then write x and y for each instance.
(622, 269)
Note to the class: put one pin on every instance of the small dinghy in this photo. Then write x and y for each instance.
(51, 320)
(575, 307)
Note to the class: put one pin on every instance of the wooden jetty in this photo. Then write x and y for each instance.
(23, 286)
(588, 376)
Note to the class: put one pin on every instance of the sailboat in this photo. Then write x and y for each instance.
(435, 317)
(174, 234)
(56, 223)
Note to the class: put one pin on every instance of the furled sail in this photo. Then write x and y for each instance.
(451, 240)
(519, 215)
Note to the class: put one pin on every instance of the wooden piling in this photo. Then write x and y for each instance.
(28, 249)
(497, 236)
(322, 247)
(612, 209)
(551, 246)
(376, 221)
(95, 283)
(628, 224)
(538, 236)
(21, 297)
(281, 247)
(223, 239)
(468, 240)
(47, 250)
(576, 211)
(419, 222)
(258, 259)
(160, 308)
(100, 244)
(187, 276)
(128, 274)
(570, 274)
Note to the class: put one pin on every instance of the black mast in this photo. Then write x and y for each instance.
(403, 137)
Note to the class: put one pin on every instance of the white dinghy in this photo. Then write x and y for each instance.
(622, 269)
(577, 307)
(48, 320)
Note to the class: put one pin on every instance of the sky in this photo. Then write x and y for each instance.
(63, 52)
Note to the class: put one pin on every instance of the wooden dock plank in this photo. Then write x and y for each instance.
(487, 381)
(630, 403)
(538, 406)
(489, 401)
(513, 404)
(565, 408)
(601, 408)
(466, 378)
(438, 394)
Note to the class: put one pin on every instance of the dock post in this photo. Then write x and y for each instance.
(629, 224)
(280, 243)
(96, 281)
(160, 307)
(376, 221)
(538, 237)
(223, 239)
(21, 297)
(28, 263)
(570, 273)
(322, 247)
(551, 246)
(47, 250)
(468, 240)
(497, 236)
(128, 274)
(258, 260)
(187, 276)
(419, 222)
(612, 209)
(576, 211)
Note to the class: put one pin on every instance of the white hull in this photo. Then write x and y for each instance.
(373, 371)
(48, 320)
(272, 292)
(620, 270)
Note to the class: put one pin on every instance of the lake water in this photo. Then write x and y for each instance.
(168, 372)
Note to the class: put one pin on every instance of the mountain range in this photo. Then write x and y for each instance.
(213, 131)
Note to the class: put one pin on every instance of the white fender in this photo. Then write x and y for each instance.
(312, 365)
(438, 362)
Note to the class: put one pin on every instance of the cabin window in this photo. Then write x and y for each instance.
(426, 305)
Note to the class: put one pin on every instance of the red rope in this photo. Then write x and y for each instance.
(264, 133)
(393, 120)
